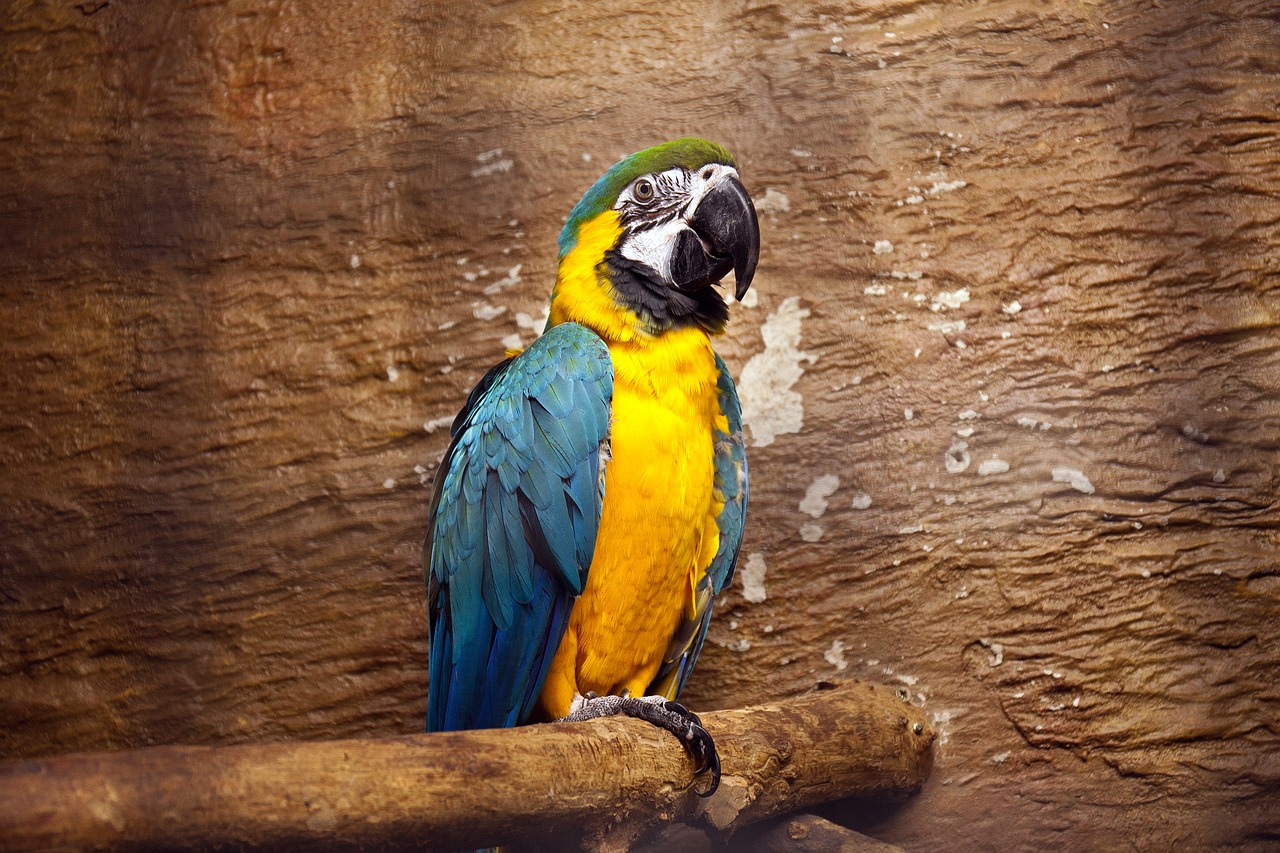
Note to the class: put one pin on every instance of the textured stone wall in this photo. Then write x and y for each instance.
(1011, 369)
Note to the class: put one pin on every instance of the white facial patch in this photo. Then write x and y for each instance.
(654, 246)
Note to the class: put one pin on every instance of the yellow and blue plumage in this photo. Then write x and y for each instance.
(591, 503)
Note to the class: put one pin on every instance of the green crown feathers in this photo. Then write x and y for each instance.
(691, 153)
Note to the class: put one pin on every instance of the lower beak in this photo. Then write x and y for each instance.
(728, 238)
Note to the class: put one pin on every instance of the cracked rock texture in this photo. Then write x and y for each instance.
(1019, 300)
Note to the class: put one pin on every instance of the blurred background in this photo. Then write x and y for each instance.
(1010, 370)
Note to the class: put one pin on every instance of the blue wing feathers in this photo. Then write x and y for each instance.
(555, 551)
(582, 494)
(552, 437)
(540, 486)
(557, 399)
(522, 565)
(477, 392)
(513, 526)
(499, 596)
(555, 531)
(731, 482)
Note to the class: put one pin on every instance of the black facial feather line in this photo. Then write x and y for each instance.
(661, 307)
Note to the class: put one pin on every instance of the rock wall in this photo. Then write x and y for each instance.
(1011, 369)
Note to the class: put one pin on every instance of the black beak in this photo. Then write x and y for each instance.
(725, 236)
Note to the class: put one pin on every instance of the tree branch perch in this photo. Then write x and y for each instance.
(602, 785)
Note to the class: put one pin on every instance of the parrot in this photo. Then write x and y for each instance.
(592, 499)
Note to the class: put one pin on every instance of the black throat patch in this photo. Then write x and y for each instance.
(639, 287)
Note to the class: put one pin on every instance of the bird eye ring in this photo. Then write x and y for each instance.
(643, 190)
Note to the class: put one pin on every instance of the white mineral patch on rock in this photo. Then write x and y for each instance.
(1074, 478)
(769, 405)
(946, 187)
(942, 726)
(531, 323)
(811, 532)
(774, 201)
(949, 299)
(835, 655)
(487, 312)
(957, 457)
(988, 467)
(753, 579)
(882, 247)
(437, 423)
(815, 497)
(997, 651)
(491, 168)
(862, 501)
(493, 163)
(511, 279)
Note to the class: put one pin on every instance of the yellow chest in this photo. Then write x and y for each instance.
(657, 528)
(658, 485)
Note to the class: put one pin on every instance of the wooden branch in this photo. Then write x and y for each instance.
(603, 785)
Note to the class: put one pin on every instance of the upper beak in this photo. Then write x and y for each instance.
(725, 221)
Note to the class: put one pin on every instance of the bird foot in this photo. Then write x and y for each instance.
(661, 712)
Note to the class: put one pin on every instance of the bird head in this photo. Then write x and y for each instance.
(656, 233)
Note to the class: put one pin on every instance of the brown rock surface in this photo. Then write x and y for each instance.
(254, 255)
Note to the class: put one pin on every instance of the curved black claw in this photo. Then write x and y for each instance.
(699, 743)
(670, 716)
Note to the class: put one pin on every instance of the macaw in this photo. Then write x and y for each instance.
(590, 504)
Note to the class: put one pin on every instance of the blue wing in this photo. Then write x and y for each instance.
(731, 486)
(512, 527)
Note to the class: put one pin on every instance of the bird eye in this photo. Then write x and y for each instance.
(707, 173)
(643, 190)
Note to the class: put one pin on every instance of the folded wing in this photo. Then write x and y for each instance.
(512, 527)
